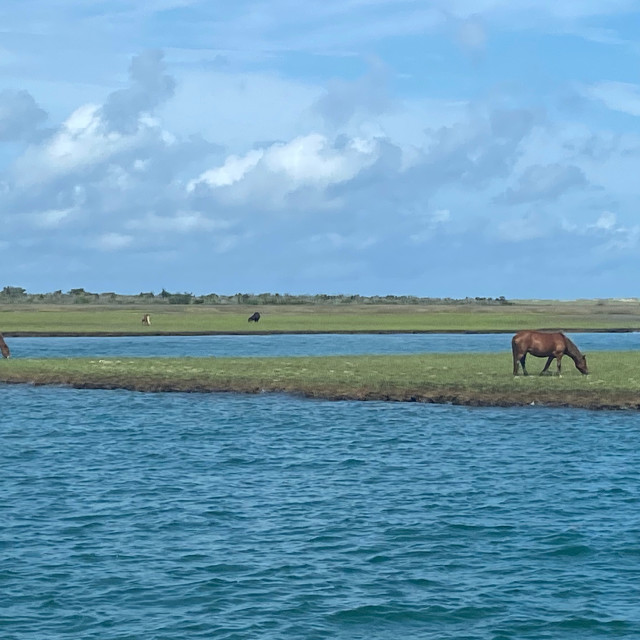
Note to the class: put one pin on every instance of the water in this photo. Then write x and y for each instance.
(292, 345)
(179, 516)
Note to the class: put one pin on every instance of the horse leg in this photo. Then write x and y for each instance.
(522, 361)
(546, 366)
(515, 363)
(559, 358)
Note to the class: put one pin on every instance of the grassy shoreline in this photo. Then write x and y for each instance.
(463, 379)
(469, 379)
(98, 320)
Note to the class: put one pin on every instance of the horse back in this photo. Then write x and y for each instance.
(539, 343)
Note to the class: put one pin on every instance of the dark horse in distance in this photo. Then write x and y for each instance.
(4, 349)
(545, 345)
(254, 318)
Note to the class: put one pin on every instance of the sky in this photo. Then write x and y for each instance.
(436, 148)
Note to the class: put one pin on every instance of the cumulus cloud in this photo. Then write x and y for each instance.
(110, 140)
(80, 143)
(149, 86)
(269, 175)
(20, 116)
(374, 188)
(476, 150)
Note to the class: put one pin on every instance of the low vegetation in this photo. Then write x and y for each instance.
(475, 379)
(174, 319)
(19, 295)
(471, 379)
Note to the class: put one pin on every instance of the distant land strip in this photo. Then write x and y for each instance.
(124, 334)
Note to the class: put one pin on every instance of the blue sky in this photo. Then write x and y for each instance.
(432, 148)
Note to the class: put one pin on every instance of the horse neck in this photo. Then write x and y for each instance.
(572, 351)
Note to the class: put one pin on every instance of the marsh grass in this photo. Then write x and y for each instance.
(197, 319)
(475, 379)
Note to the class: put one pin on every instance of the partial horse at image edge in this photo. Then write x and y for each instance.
(4, 349)
(545, 345)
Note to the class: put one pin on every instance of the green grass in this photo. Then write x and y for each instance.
(174, 319)
(479, 379)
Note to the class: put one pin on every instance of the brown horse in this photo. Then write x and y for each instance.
(146, 319)
(545, 345)
(4, 349)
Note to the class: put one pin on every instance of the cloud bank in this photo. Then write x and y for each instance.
(313, 158)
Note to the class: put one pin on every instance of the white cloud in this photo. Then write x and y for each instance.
(267, 175)
(312, 160)
(232, 171)
(95, 135)
(80, 143)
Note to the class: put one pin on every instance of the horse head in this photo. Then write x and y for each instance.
(581, 365)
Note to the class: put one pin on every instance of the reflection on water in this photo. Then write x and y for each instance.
(293, 345)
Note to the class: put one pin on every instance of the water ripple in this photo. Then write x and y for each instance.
(203, 516)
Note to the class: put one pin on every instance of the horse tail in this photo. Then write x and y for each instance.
(515, 352)
(516, 342)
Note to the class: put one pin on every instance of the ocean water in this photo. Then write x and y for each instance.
(178, 516)
(292, 345)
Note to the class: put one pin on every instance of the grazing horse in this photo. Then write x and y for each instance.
(146, 319)
(4, 349)
(545, 345)
(254, 318)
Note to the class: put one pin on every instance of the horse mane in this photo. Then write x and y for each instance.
(572, 351)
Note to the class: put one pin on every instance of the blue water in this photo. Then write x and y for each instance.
(178, 516)
(293, 345)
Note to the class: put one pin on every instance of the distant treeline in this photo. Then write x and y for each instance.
(80, 296)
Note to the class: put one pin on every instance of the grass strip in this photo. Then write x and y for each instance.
(195, 319)
(469, 379)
